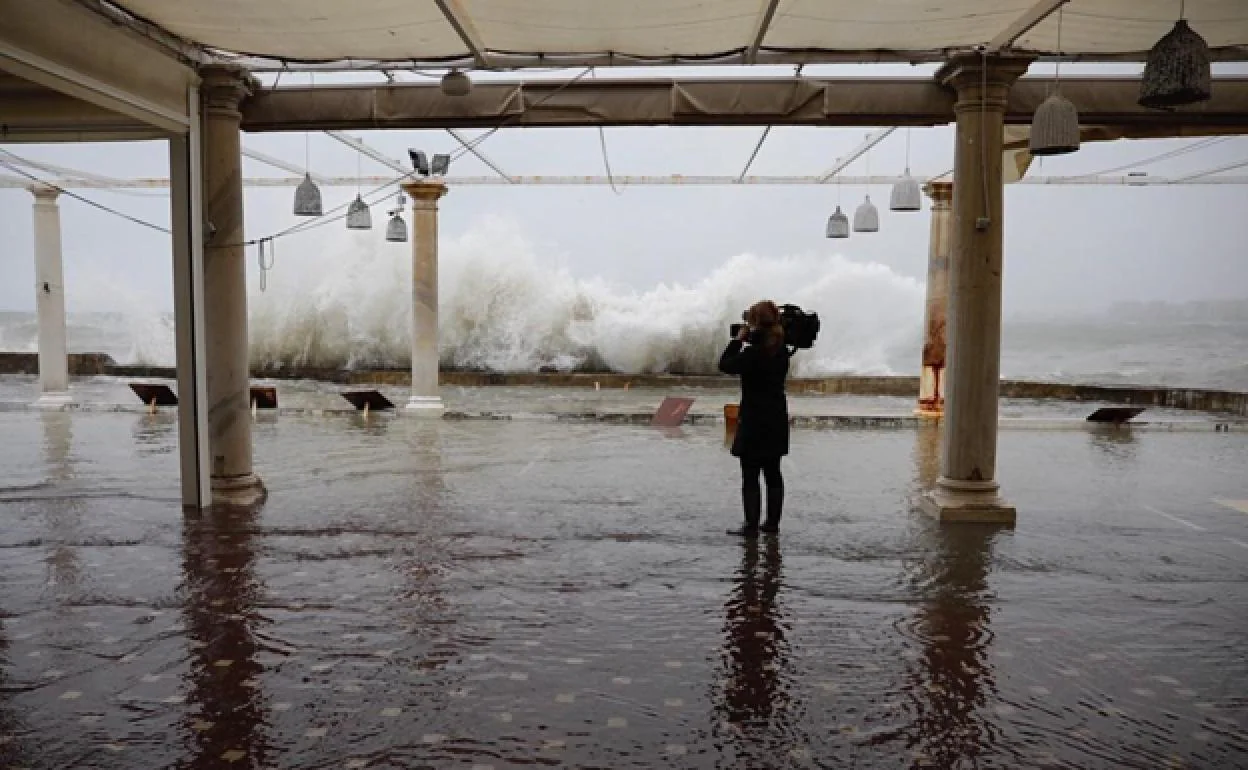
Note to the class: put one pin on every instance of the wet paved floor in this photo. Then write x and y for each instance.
(491, 594)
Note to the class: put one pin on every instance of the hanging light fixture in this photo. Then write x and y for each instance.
(1055, 125)
(906, 195)
(456, 83)
(358, 215)
(396, 228)
(838, 223)
(1177, 70)
(867, 216)
(307, 194)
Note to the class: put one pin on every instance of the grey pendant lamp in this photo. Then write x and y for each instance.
(358, 215)
(307, 194)
(1177, 71)
(867, 216)
(838, 223)
(906, 195)
(456, 83)
(396, 228)
(1055, 124)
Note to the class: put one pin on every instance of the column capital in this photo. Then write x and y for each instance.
(44, 193)
(424, 193)
(941, 193)
(223, 88)
(982, 80)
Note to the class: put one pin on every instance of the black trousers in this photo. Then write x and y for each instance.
(751, 495)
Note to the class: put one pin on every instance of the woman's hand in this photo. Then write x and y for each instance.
(744, 334)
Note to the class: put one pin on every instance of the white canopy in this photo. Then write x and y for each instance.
(512, 33)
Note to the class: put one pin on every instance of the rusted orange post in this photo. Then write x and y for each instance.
(932, 377)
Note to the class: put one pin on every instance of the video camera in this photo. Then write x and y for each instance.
(800, 328)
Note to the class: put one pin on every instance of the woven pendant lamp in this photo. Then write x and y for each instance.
(1055, 124)
(1177, 71)
(456, 83)
(838, 224)
(906, 195)
(307, 198)
(866, 217)
(396, 228)
(358, 215)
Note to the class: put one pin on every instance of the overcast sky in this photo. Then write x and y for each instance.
(1067, 248)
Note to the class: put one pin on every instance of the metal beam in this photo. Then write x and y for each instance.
(461, 22)
(359, 146)
(765, 15)
(1107, 101)
(472, 148)
(1129, 180)
(269, 160)
(871, 141)
(1025, 23)
(63, 46)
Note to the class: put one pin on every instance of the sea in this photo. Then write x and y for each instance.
(503, 307)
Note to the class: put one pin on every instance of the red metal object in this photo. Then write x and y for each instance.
(671, 412)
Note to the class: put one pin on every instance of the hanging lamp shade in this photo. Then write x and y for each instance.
(866, 217)
(906, 195)
(456, 83)
(838, 224)
(396, 228)
(1177, 71)
(358, 215)
(1054, 127)
(307, 198)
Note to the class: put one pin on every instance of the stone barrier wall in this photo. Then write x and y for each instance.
(1229, 402)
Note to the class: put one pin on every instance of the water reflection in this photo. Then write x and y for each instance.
(64, 518)
(1117, 442)
(227, 711)
(156, 433)
(951, 680)
(755, 699)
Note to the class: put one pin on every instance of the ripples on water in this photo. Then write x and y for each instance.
(456, 594)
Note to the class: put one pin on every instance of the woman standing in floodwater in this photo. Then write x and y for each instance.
(760, 357)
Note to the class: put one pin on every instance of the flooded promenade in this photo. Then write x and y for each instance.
(502, 594)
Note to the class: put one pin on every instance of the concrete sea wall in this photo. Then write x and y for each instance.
(1227, 402)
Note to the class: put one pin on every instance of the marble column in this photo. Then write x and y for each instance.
(932, 375)
(967, 489)
(425, 399)
(225, 289)
(50, 300)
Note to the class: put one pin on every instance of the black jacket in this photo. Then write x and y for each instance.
(763, 419)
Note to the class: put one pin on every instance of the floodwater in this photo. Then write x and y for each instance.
(501, 594)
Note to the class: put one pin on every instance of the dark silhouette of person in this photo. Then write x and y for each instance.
(759, 356)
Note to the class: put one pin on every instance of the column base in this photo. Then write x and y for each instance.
(238, 491)
(929, 414)
(54, 400)
(967, 501)
(424, 406)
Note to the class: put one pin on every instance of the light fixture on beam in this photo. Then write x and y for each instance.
(396, 228)
(1055, 124)
(358, 215)
(1177, 71)
(867, 216)
(838, 224)
(906, 195)
(307, 198)
(440, 165)
(456, 83)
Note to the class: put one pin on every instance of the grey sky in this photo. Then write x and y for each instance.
(1067, 248)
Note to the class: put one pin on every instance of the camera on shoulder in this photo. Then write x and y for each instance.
(800, 327)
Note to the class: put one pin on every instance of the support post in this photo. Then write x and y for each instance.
(186, 200)
(425, 399)
(224, 87)
(50, 300)
(967, 489)
(931, 377)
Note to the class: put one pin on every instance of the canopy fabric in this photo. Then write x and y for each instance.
(526, 32)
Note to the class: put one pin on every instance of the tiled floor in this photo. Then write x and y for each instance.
(492, 594)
